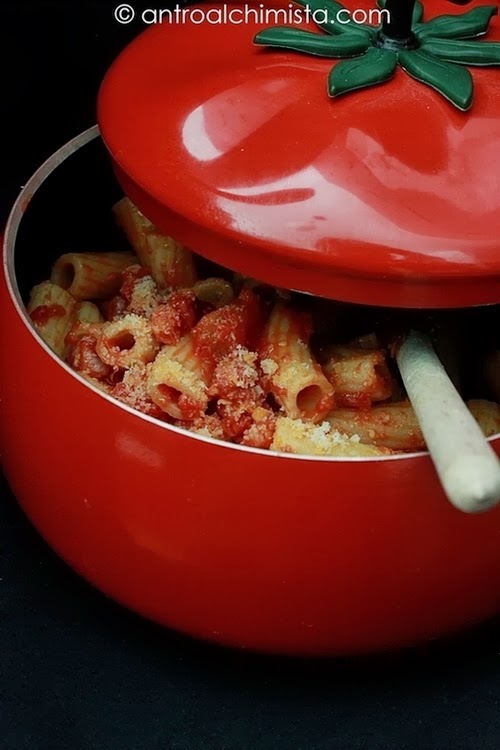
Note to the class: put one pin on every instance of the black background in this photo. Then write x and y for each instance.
(79, 673)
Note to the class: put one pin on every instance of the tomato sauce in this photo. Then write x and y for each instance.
(42, 314)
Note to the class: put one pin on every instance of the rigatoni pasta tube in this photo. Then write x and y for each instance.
(359, 376)
(88, 276)
(87, 312)
(295, 436)
(52, 311)
(171, 265)
(136, 227)
(486, 414)
(127, 341)
(396, 426)
(290, 373)
(176, 381)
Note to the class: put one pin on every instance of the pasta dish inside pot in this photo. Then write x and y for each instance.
(225, 356)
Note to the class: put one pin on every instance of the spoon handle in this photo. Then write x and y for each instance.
(466, 464)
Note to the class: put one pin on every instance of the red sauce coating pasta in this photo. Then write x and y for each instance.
(176, 317)
(116, 306)
(361, 401)
(130, 276)
(83, 358)
(261, 433)
(236, 385)
(132, 391)
(189, 407)
(42, 314)
(219, 332)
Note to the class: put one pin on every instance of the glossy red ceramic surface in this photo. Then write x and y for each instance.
(242, 547)
(388, 195)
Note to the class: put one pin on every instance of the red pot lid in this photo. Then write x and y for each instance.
(386, 195)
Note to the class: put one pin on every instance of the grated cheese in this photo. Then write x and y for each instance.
(144, 297)
(297, 436)
(269, 366)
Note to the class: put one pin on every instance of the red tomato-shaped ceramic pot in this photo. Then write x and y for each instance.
(239, 546)
(225, 135)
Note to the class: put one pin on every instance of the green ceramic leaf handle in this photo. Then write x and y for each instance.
(465, 26)
(375, 66)
(314, 44)
(463, 53)
(434, 52)
(452, 81)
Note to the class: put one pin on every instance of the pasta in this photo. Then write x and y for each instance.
(175, 318)
(83, 356)
(171, 265)
(390, 425)
(395, 426)
(127, 341)
(295, 436)
(290, 373)
(90, 275)
(221, 331)
(88, 312)
(239, 396)
(177, 382)
(52, 311)
(486, 414)
(231, 358)
(359, 376)
(133, 390)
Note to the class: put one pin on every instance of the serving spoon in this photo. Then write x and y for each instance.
(465, 462)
